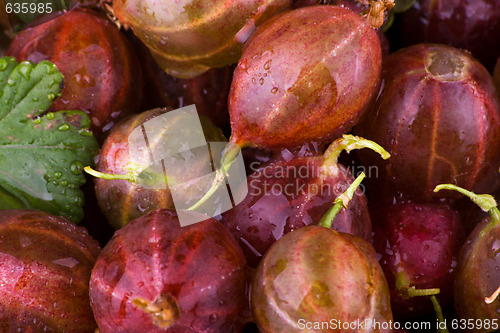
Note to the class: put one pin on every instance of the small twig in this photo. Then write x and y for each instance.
(110, 13)
(378, 11)
(493, 297)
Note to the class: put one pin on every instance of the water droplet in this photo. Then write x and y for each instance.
(64, 182)
(267, 65)
(143, 208)
(24, 241)
(274, 90)
(85, 132)
(37, 120)
(254, 81)
(154, 239)
(212, 318)
(261, 81)
(51, 68)
(82, 78)
(51, 97)
(495, 249)
(58, 174)
(25, 69)
(76, 167)
(3, 64)
(11, 82)
(67, 262)
(35, 99)
(63, 127)
(50, 116)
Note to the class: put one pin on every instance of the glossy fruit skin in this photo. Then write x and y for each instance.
(100, 68)
(281, 98)
(201, 266)
(437, 129)
(189, 37)
(317, 274)
(355, 6)
(471, 25)
(478, 273)
(121, 200)
(420, 242)
(286, 195)
(45, 266)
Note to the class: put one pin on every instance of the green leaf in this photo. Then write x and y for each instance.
(403, 5)
(29, 10)
(41, 154)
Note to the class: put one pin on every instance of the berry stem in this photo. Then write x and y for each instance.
(227, 160)
(342, 201)
(485, 201)
(131, 176)
(493, 297)
(349, 142)
(403, 285)
(414, 292)
(439, 314)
